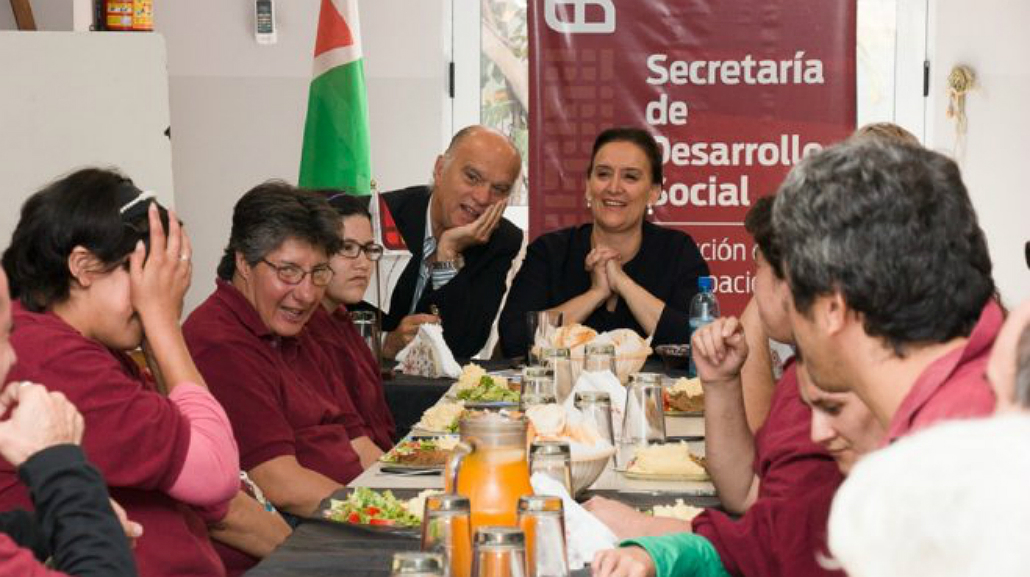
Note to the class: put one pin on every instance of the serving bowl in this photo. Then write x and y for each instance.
(588, 467)
(674, 357)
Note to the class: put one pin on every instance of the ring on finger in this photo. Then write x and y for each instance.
(184, 257)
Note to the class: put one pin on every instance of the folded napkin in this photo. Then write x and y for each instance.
(427, 355)
(585, 534)
(606, 382)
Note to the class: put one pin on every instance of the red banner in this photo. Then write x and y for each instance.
(735, 91)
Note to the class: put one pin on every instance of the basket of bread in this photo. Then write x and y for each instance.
(589, 451)
(631, 350)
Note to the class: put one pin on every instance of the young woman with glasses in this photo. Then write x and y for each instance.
(333, 327)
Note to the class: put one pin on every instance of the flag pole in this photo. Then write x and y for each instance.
(377, 234)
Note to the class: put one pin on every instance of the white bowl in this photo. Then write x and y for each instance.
(588, 468)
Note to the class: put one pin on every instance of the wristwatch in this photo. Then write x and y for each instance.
(447, 265)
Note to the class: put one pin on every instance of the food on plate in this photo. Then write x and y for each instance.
(425, 452)
(678, 510)
(417, 504)
(667, 459)
(470, 376)
(685, 395)
(442, 417)
(364, 506)
(490, 389)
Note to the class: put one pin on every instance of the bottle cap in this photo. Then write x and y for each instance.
(705, 283)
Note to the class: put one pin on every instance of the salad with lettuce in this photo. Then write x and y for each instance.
(364, 506)
(489, 390)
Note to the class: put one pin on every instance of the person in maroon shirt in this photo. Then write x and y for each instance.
(333, 328)
(785, 535)
(97, 268)
(75, 521)
(300, 438)
(890, 277)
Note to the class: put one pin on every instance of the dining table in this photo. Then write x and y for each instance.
(322, 548)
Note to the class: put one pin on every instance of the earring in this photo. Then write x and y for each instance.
(650, 210)
(588, 202)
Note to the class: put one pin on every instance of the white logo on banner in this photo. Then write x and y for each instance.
(579, 23)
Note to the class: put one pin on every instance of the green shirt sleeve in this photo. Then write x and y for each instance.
(681, 555)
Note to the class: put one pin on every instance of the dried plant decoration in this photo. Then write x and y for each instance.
(961, 80)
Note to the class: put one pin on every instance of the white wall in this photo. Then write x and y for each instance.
(992, 38)
(238, 108)
(50, 15)
(64, 107)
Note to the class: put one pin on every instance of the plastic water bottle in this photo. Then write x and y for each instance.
(704, 308)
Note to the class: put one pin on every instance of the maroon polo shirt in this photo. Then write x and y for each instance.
(784, 528)
(276, 390)
(354, 361)
(786, 459)
(778, 537)
(954, 386)
(136, 437)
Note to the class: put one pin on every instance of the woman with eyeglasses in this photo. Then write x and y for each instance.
(299, 434)
(333, 327)
(97, 268)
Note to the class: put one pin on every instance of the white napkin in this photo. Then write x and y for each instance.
(606, 382)
(585, 534)
(427, 355)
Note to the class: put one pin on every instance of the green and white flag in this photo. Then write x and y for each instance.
(336, 151)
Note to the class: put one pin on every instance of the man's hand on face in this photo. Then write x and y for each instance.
(455, 241)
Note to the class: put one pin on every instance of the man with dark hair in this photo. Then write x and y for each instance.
(461, 246)
(891, 281)
(299, 435)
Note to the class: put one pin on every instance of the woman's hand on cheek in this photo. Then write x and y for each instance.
(160, 279)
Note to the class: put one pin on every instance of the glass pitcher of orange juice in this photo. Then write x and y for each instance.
(489, 467)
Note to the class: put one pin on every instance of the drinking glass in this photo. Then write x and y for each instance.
(540, 328)
(530, 400)
(552, 459)
(644, 422)
(415, 564)
(499, 552)
(596, 407)
(559, 361)
(599, 358)
(542, 520)
(368, 327)
(445, 531)
(536, 390)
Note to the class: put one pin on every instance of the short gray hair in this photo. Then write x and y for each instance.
(892, 228)
(273, 212)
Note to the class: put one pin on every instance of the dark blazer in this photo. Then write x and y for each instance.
(469, 302)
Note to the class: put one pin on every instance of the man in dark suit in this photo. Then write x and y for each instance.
(461, 246)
